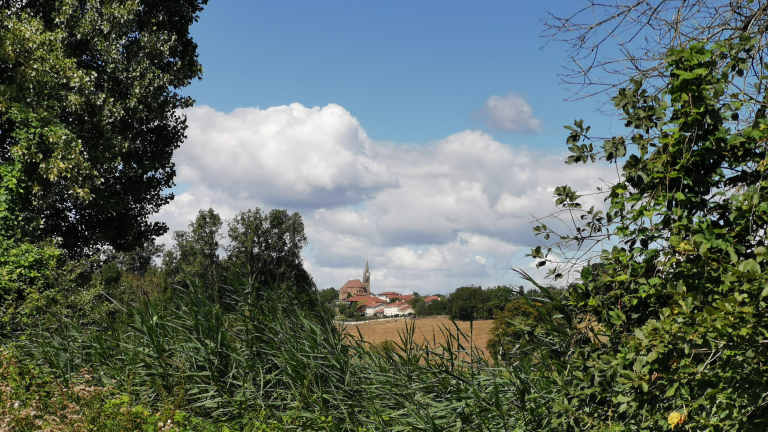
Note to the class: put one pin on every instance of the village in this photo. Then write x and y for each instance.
(357, 293)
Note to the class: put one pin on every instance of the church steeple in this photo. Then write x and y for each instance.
(367, 277)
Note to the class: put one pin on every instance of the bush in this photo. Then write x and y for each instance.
(32, 399)
(509, 327)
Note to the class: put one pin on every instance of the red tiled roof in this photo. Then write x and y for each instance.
(431, 298)
(405, 297)
(354, 283)
(405, 306)
(396, 304)
(371, 303)
(359, 298)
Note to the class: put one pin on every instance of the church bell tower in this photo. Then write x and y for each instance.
(367, 277)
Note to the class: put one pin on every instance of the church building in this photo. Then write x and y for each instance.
(355, 287)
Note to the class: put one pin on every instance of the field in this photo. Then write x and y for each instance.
(426, 329)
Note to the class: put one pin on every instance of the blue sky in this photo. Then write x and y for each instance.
(410, 71)
(421, 135)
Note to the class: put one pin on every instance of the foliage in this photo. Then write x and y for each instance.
(441, 307)
(32, 399)
(266, 249)
(266, 366)
(89, 118)
(329, 295)
(677, 304)
(469, 304)
(195, 253)
(508, 328)
(346, 310)
(611, 43)
(137, 261)
(28, 273)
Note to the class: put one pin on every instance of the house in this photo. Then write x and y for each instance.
(398, 308)
(362, 298)
(389, 295)
(373, 308)
(430, 299)
(406, 309)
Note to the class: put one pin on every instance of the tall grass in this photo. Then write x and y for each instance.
(254, 358)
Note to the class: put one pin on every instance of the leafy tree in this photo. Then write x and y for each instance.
(469, 303)
(418, 305)
(677, 304)
(329, 295)
(442, 307)
(266, 248)
(346, 310)
(138, 261)
(499, 297)
(195, 253)
(90, 117)
(509, 327)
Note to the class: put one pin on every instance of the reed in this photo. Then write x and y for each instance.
(254, 358)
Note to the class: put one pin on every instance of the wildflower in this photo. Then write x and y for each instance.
(675, 418)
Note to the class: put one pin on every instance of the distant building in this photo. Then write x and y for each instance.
(356, 287)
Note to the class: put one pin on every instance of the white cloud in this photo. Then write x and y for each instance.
(429, 217)
(510, 113)
(286, 155)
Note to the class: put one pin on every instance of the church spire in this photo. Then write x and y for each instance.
(367, 277)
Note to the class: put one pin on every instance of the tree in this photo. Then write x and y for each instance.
(677, 304)
(346, 310)
(469, 303)
(195, 253)
(499, 297)
(418, 305)
(612, 43)
(329, 295)
(90, 116)
(138, 261)
(266, 249)
(509, 328)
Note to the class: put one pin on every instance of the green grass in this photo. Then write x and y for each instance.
(254, 362)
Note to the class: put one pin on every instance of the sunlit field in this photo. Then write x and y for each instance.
(427, 330)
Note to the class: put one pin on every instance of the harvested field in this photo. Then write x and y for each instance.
(379, 331)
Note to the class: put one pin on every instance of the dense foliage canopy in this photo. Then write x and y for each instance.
(677, 304)
(89, 117)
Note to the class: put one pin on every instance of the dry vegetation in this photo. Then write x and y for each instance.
(427, 329)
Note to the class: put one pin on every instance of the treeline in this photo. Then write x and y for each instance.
(471, 303)
(262, 249)
(467, 303)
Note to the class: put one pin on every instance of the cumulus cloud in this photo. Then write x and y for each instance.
(286, 155)
(428, 217)
(510, 113)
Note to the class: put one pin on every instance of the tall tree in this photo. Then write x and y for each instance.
(195, 253)
(89, 116)
(469, 303)
(266, 249)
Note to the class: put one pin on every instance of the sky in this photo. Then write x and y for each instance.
(422, 136)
